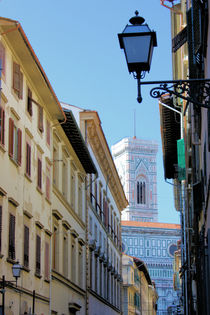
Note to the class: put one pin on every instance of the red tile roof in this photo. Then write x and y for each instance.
(156, 225)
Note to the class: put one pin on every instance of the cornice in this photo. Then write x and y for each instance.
(102, 153)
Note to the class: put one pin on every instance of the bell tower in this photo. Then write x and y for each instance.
(135, 160)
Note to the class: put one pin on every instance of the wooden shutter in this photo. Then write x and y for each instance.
(19, 148)
(47, 267)
(28, 159)
(11, 237)
(39, 182)
(2, 58)
(2, 125)
(0, 226)
(16, 77)
(29, 105)
(20, 94)
(48, 187)
(38, 254)
(48, 132)
(40, 119)
(26, 246)
(11, 133)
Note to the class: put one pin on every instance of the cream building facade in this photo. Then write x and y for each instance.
(139, 293)
(28, 108)
(105, 201)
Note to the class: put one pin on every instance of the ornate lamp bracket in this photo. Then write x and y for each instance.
(195, 91)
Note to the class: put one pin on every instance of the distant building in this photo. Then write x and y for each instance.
(143, 237)
(139, 293)
(105, 201)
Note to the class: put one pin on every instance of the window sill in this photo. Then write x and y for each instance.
(48, 200)
(47, 280)
(14, 162)
(38, 275)
(39, 190)
(11, 261)
(28, 177)
(25, 269)
(2, 148)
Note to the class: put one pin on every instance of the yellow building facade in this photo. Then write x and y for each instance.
(139, 293)
(29, 108)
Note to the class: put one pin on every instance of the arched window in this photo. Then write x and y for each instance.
(141, 192)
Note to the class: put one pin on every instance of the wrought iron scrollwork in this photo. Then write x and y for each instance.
(195, 91)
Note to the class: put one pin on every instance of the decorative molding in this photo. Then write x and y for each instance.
(2, 192)
(57, 214)
(39, 225)
(27, 214)
(13, 202)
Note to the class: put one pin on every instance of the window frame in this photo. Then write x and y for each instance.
(15, 142)
(2, 126)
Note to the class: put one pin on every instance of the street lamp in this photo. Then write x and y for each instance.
(138, 42)
(16, 269)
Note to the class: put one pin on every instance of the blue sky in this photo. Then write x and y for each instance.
(77, 45)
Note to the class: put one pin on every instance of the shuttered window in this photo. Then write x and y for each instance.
(11, 250)
(2, 58)
(2, 125)
(26, 246)
(39, 174)
(38, 254)
(17, 80)
(40, 119)
(15, 142)
(48, 182)
(28, 159)
(29, 103)
(47, 266)
(48, 132)
(0, 226)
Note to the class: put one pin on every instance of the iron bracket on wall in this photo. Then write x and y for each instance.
(195, 91)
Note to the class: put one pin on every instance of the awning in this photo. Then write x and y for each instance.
(170, 133)
(75, 137)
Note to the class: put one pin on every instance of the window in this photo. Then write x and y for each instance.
(48, 178)
(15, 142)
(55, 165)
(64, 176)
(29, 103)
(17, 80)
(2, 125)
(73, 260)
(11, 251)
(80, 266)
(0, 226)
(80, 198)
(38, 254)
(39, 173)
(55, 259)
(47, 265)
(65, 254)
(28, 159)
(90, 224)
(72, 188)
(141, 192)
(2, 58)
(40, 118)
(48, 136)
(26, 247)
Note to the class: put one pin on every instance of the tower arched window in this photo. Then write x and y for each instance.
(141, 192)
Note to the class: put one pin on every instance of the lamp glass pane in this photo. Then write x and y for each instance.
(16, 270)
(137, 48)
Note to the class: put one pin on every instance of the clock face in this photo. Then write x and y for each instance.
(171, 249)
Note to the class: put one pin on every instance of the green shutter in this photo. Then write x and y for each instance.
(181, 159)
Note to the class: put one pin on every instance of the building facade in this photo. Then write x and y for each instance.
(143, 237)
(139, 293)
(28, 109)
(105, 201)
(191, 57)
